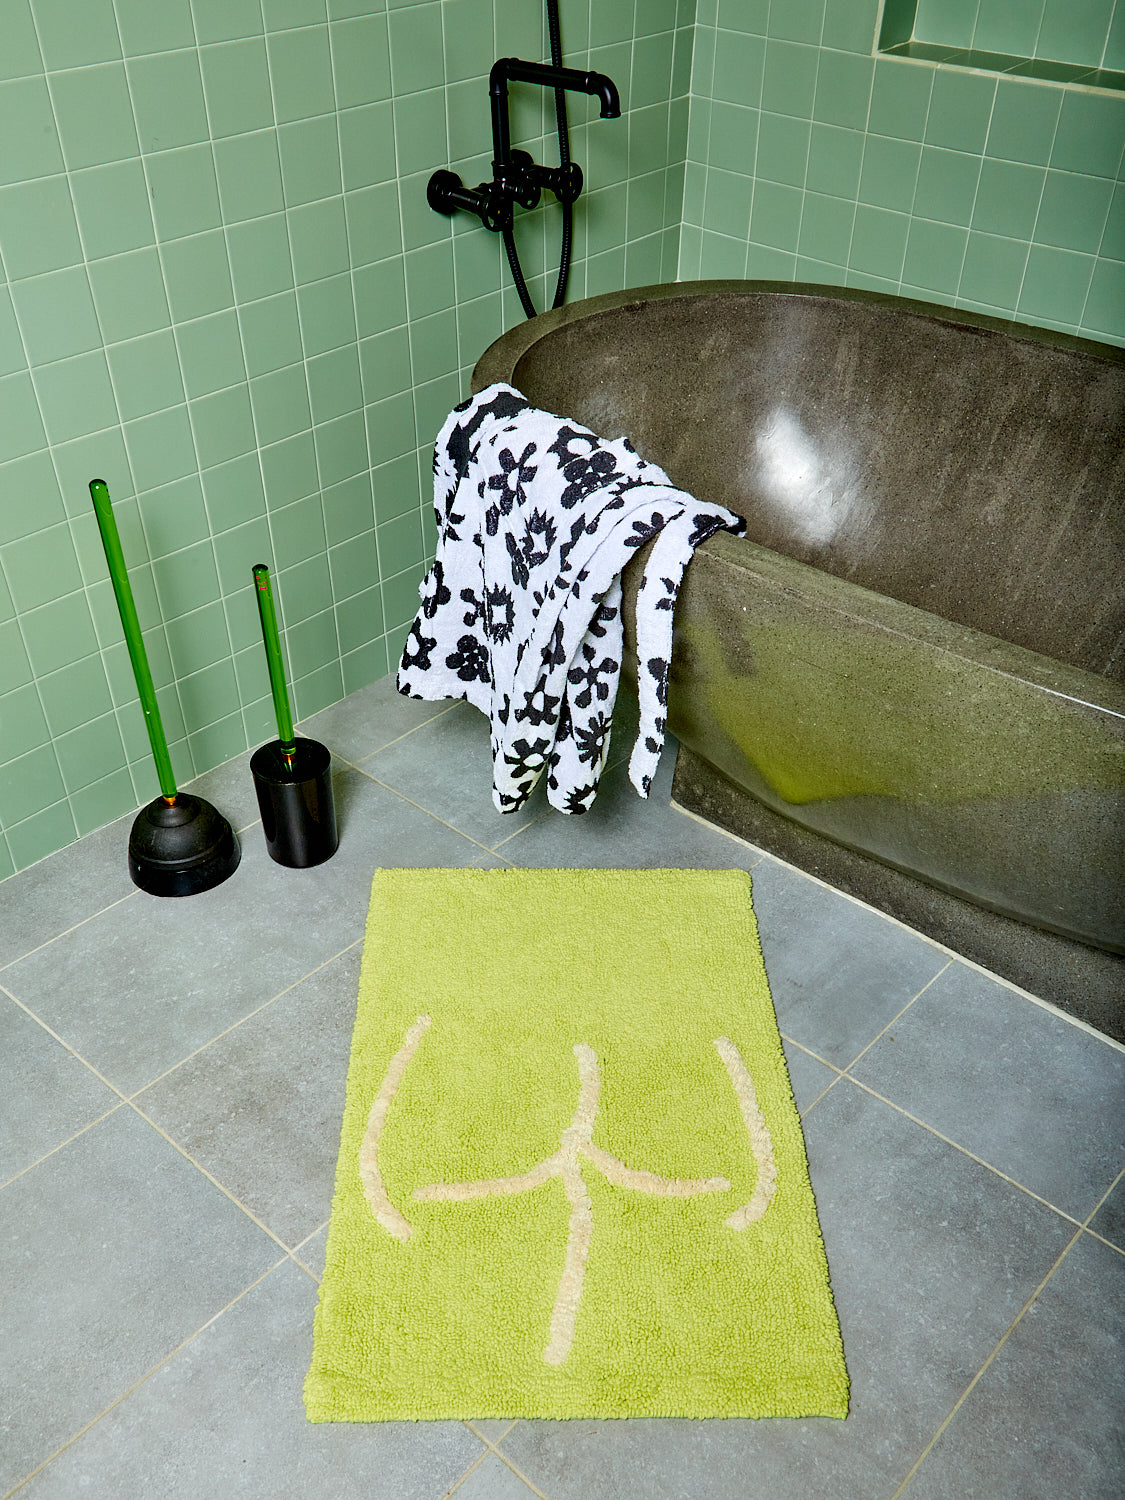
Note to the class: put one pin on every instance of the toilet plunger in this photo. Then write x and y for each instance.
(179, 844)
(292, 776)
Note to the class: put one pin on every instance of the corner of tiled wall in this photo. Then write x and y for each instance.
(222, 291)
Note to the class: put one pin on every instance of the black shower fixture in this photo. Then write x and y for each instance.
(516, 177)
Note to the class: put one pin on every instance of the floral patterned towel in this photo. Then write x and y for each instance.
(521, 611)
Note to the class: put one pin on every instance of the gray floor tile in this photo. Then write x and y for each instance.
(492, 1428)
(625, 830)
(115, 1249)
(369, 719)
(48, 1093)
(807, 1075)
(987, 1067)
(311, 1252)
(143, 985)
(225, 1417)
(493, 1480)
(1044, 1421)
(838, 971)
(1109, 1221)
(65, 888)
(230, 789)
(260, 1108)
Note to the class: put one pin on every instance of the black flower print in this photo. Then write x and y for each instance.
(578, 799)
(499, 614)
(584, 471)
(589, 740)
(644, 531)
(658, 671)
(590, 672)
(460, 446)
(416, 651)
(516, 473)
(470, 660)
(434, 591)
(538, 707)
(520, 571)
(553, 650)
(476, 609)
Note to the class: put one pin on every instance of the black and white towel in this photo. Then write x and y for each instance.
(521, 611)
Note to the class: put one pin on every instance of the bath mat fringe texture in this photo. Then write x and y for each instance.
(572, 1180)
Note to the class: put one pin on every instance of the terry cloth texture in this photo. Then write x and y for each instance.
(521, 612)
(572, 1180)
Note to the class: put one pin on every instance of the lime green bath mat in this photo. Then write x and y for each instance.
(572, 1181)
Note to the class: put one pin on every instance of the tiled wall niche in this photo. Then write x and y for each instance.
(221, 290)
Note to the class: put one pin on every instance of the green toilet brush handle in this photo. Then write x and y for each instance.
(276, 665)
(119, 577)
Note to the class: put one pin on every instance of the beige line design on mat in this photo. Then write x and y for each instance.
(575, 1142)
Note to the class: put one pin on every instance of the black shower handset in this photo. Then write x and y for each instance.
(516, 177)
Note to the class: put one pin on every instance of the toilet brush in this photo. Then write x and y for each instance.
(292, 776)
(179, 844)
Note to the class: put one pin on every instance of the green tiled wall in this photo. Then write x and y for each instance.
(221, 290)
(809, 159)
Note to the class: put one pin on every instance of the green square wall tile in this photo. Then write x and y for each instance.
(1114, 56)
(129, 294)
(211, 353)
(1055, 284)
(298, 532)
(433, 346)
(360, 619)
(56, 314)
(238, 550)
(364, 666)
(826, 228)
(400, 603)
(21, 428)
(283, 14)
(783, 149)
(75, 694)
(385, 362)
(727, 204)
(1074, 31)
(305, 590)
(354, 565)
(15, 669)
(843, 89)
(797, 20)
(1008, 198)
(199, 639)
(56, 635)
(327, 313)
(349, 509)
(789, 80)
(380, 296)
(367, 146)
(334, 384)
(271, 334)
(1090, 134)
(32, 840)
(281, 404)
(1105, 305)
(416, 48)
(467, 28)
(224, 426)
(960, 109)
(289, 469)
(1073, 212)
(934, 254)
(1007, 28)
(1024, 119)
(341, 448)
(38, 230)
(993, 270)
(1113, 236)
(145, 27)
(734, 138)
(186, 580)
(71, 35)
(900, 99)
(310, 159)
(611, 21)
(301, 70)
(146, 374)
(259, 257)
(400, 545)
(318, 236)
(185, 194)
(95, 115)
(113, 208)
(890, 172)
(249, 173)
(173, 516)
(878, 242)
(429, 279)
(209, 697)
(23, 726)
(420, 225)
(947, 185)
(374, 229)
(233, 492)
(391, 429)
(419, 129)
(740, 61)
(835, 160)
(161, 448)
(236, 79)
(28, 785)
(27, 128)
(31, 495)
(168, 99)
(103, 801)
(361, 59)
(221, 20)
(90, 752)
(98, 453)
(198, 275)
(21, 55)
(41, 567)
(76, 396)
(12, 355)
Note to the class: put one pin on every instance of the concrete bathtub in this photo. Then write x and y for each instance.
(907, 679)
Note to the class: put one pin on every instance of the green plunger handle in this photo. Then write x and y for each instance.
(119, 577)
(274, 661)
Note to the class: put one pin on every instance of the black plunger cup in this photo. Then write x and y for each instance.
(294, 787)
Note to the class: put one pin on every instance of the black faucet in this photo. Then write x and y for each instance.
(516, 178)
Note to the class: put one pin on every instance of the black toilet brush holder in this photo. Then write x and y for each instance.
(292, 776)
